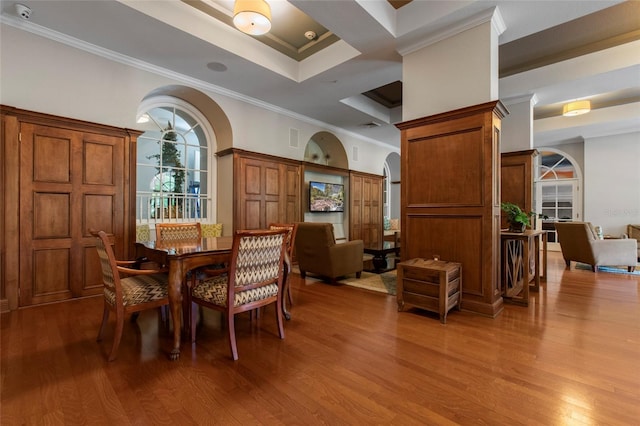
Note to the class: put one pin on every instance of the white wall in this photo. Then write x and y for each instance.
(466, 61)
(42, 75)
(612, 182)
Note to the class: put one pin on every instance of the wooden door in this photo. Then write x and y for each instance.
(71, 181)
(365, 208)
(267, 191)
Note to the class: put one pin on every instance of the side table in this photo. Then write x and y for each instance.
(433, 285)
(516, 275)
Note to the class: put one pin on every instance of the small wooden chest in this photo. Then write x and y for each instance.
(434, 285)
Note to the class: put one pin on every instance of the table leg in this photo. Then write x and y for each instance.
(526, 276)
(536, 278)
(380, 262)
(544, 256)
(175, 305)
(285, 290)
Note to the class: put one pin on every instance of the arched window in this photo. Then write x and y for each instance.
(558, 191)
(386, 191)
(174, 172)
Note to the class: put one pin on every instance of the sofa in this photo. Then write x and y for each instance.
(579, 243)
(633, 231)
(318, 253)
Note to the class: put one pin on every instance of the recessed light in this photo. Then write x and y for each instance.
(217, 66)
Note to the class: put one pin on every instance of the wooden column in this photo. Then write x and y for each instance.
(450, 198)
(516, 182)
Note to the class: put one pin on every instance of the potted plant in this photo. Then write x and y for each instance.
(517, 219)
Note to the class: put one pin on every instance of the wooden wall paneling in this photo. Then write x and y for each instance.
(267, 190)
(517, 178)
(365, 207)
(10, 214)
(355, 207)
(73, 176)
(292, 193)
(450, 197)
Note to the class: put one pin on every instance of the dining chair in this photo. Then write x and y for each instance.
(291, 229)
(211, 230)
(139, 290)
(166, 232)
(254, 279)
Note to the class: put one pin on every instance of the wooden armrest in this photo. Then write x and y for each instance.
(131, 271)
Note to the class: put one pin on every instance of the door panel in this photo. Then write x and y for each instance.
(70, 181)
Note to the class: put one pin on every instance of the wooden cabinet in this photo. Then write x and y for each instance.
(266, 190)
(450, 197)
(516, 180)
(63, 177)
(433, 285)
(365, 208)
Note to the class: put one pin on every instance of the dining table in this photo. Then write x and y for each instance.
(183, 256)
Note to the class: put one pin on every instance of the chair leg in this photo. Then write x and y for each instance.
(232, 334)
(194, 313)
(279, 317)
(117, 336)
(105, 319)
(289, 296)
(631, 268)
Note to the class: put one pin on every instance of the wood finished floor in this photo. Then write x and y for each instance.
(349, 358)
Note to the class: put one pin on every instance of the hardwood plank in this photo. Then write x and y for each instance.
(348, 358)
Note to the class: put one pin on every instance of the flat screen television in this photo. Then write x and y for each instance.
(326, 197)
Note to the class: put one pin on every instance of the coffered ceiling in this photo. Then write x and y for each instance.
(349, 74)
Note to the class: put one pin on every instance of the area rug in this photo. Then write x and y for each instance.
(382, 283)
(612, 269)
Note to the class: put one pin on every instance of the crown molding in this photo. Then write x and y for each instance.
(492, 15)
(191, 82)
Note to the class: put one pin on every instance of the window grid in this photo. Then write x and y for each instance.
(172, 169)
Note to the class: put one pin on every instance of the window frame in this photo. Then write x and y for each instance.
(174, 103)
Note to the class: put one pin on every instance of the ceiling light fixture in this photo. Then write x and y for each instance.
(252, 16)
(576, 108)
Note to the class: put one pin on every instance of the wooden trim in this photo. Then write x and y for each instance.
(530, 152)
(256, 155)
(496, 106)
(64, 122)
(321, 168)
(10, 242)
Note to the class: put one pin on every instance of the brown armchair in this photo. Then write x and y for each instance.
(580, 244)
(318, 253)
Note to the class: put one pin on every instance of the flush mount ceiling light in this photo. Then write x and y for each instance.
(252, 16)
(576, 108)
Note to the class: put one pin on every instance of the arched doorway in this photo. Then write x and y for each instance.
(558, 188)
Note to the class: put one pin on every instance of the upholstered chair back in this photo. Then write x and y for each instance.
(211, 230)
(166, 232)
(317, 252)
(579, 243)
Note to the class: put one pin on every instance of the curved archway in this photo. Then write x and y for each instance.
(209, 108)
(203, 191)
(558, 187)
(325, 148)
(391, 197)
